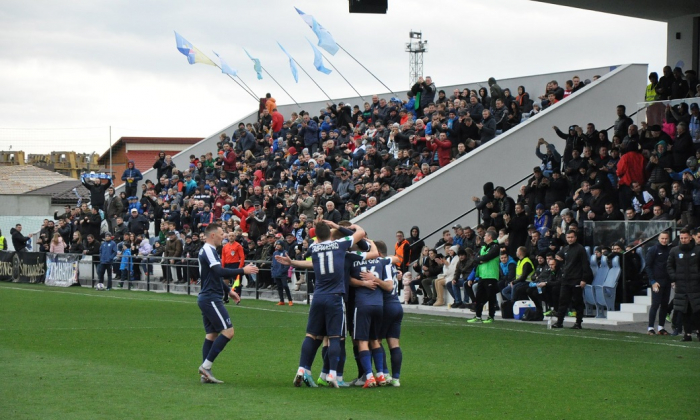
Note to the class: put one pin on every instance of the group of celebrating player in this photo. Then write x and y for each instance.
(356, 289)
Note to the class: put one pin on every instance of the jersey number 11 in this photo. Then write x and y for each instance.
(322, 257)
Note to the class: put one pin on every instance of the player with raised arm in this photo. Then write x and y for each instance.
(326, 316)
(367, 315)
(391, 317)
(217, 323)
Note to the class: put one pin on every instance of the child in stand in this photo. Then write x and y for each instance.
(127, 264)
(279, 274)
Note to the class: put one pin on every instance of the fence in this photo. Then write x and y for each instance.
(154, 274)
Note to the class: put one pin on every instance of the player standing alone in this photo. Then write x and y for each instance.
(217, 323)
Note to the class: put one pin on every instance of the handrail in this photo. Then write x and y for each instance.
(629, 116)
(465, 214)
(633, 249)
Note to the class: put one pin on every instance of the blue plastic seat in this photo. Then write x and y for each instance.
(588, 251)
(605, 293)
(600, 273)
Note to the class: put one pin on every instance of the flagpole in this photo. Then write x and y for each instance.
(285, 91)
(251, 90)
(312, 79)
(341, 75)
(246, 90)
(346, 52)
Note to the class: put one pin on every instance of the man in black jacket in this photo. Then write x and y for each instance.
(656, 261)
(576, 272)
(684, 271)
(97, 190)
(19, 241)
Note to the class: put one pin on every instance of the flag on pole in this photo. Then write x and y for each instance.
(325, 39)
(192, 53)
(225, 68)
(292, 64)
(257, 66)
(318, 59)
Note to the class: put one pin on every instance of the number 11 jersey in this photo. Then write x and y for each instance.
(329, 265)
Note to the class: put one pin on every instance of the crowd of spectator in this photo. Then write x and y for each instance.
(272, 179)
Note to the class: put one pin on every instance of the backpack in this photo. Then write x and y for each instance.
(532, 315)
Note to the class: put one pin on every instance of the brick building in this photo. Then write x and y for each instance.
(143, 151)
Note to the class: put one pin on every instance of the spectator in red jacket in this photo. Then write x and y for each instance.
(630, 169)
(277, 122)
(443, 147)
(229, 158)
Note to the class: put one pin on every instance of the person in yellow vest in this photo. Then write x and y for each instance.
(3, 242)
(651, 94)
(402, 251)
(523, 276)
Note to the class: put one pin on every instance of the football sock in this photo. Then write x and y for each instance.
(333, 353)
(332, 375)
(396, 359)
(356, 352)
(308, 352)
(341, 362)
(205, 348)
(366, 361)
(216, 348)
(386, 366)
(324, 355)
(661, 327)
(378, 361)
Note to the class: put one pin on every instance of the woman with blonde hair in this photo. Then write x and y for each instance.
(57, 245)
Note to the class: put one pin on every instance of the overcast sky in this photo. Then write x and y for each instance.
(92, 64)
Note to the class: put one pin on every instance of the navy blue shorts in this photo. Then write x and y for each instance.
(326, 316)
(214, 315)
(367, 322)
(391, 320)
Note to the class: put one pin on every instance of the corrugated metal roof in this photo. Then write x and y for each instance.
(21, 179)
(62, 193)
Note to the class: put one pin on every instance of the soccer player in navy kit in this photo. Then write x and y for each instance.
(326, 317)
(392, 316)
(217, 323)
(368, 312)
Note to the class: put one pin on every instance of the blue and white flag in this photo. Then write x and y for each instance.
(292, 64)
(318, 59)
(191, 52)
(225, 68)
(257, 66)
(325, 39)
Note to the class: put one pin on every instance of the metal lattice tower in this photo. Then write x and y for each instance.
(415, 48)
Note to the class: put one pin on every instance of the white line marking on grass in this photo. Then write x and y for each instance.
(554, 334)
(107, 295)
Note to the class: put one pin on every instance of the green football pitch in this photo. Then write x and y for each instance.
(80, 354)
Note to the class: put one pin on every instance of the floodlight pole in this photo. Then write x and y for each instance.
(415, 61)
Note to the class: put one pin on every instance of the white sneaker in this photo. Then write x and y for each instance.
(358, 382)
(395, 382)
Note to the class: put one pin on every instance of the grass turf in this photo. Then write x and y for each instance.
(77, 353)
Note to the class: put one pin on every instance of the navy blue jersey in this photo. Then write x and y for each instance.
(392, 296)
(350, 259)
(213, 287)
(382, 269)
(328, 258)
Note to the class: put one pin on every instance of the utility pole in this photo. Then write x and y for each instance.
(416, 47)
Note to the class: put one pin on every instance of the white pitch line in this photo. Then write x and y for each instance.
(426, 323)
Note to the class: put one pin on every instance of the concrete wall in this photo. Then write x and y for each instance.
(534, 85)
(686, 48)
(25, 205)
(443, 196)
